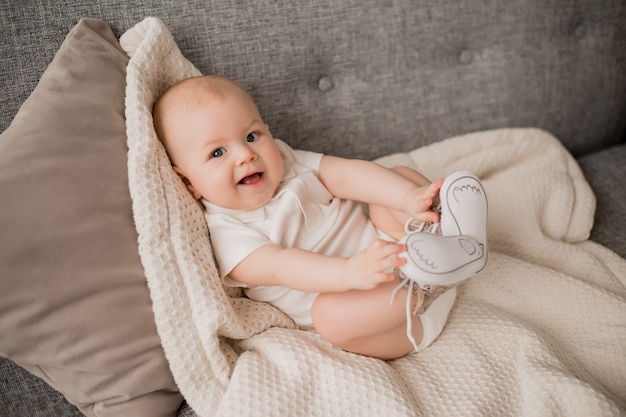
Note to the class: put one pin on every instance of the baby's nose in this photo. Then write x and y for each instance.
(246, 155)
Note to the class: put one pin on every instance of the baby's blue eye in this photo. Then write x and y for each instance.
(217, 153)
(251, 137)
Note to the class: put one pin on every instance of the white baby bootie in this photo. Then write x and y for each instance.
(442, 256)
(461, 249)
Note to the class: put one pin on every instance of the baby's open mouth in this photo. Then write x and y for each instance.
(252, 178)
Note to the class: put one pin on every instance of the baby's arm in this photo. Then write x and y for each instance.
(312, 272)
(371, 183)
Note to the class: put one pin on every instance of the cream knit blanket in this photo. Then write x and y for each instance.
(540, 332)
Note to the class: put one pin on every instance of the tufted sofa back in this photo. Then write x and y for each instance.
(365, 78)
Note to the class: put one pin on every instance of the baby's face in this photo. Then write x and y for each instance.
(226, 152)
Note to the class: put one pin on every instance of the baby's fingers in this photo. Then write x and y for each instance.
(392, 263)
(433, 189)
(426, 216)
(388, 259)
(385, 248)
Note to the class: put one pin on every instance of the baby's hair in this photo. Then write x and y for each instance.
(196, 89)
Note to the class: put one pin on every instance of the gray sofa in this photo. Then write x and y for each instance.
(353, 78)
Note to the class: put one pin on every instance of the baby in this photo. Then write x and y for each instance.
(288, 225)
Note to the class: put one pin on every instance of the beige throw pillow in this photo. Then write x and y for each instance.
(74, 304)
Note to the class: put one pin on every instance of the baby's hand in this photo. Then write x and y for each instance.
(419, 200)
(374, 265)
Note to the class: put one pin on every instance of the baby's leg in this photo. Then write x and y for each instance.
(364, 322)
(392, 221)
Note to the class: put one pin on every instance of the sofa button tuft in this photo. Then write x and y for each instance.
(466, 57)
(325, 84)
(580, 31)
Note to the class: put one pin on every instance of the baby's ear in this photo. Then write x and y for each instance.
(187, 183)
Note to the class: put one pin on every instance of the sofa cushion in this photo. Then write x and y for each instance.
(74, 305)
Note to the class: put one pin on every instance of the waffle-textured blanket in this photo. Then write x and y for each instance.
(541, 331)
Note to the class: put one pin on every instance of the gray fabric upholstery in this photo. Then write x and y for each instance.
(364, 78)
(606, 172)
(23, 394)
(375, 76)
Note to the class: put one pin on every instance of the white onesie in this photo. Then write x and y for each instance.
(302, 214)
